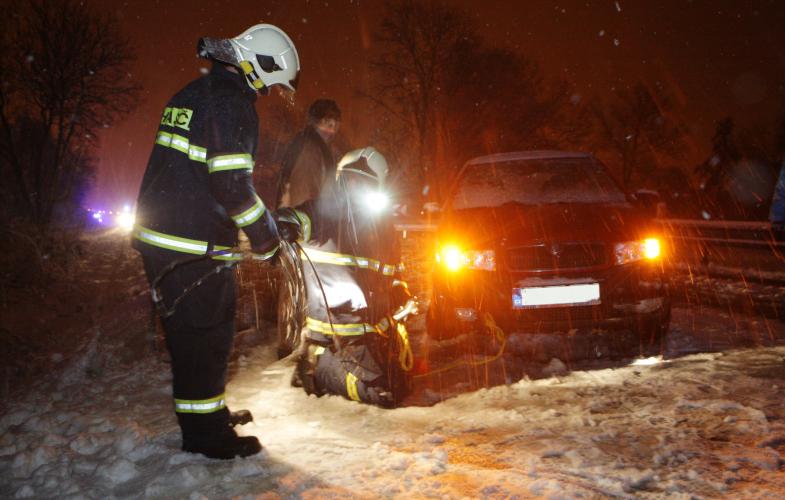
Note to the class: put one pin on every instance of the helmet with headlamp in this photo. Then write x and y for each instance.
(265, 54)
(368, 164)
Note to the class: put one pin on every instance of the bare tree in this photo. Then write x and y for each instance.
(418, 38)
(64, 72)
(449, 95)
(638, 132)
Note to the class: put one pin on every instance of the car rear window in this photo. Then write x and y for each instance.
(536, 181)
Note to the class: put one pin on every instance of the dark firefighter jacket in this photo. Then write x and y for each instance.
(197, 191)
(352, 296)
(307, 165)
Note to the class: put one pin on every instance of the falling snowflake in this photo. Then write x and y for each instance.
(203, 70)
(601, 33)
(616, 42)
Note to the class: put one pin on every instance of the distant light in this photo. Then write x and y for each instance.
(126, 208)
(96, 215)
(125, 220)
(654, 360)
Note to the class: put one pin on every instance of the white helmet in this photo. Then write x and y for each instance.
(265, 54)
(366, 161)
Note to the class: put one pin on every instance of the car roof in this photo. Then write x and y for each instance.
(526, 155)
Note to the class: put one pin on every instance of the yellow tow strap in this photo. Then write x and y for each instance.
(405, 356)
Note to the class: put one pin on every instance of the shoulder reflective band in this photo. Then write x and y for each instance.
(183, 245)
(180, 143)
(250, 215)
(211, 405)
(388, 270)
(266, 255)
(351, 386)
(230, 162)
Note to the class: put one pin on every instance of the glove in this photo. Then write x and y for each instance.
(288, 231)
(289, 228)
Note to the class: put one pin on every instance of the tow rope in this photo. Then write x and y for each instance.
(496, 332)
(155, 292)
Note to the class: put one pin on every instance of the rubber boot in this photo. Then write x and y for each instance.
(212, 436)
(240, 417)
(225, 446)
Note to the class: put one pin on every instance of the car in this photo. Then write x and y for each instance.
(546, 242)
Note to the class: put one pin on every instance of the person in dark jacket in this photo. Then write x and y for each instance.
(354, 343)
(308, 162)
(195, 195)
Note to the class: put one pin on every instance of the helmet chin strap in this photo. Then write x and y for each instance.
(251, 75)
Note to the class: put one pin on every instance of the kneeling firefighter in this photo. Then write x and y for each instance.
(354, 342)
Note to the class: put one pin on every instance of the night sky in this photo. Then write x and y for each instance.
(716, 58)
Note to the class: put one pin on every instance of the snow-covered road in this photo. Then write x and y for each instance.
(707, 421)
(694, 425)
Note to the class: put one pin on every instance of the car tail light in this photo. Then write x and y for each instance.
(633, 251)
(454, 258)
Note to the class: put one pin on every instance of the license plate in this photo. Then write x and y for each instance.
(586, 294)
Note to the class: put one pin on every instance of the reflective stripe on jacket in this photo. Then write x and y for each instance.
(197, 191)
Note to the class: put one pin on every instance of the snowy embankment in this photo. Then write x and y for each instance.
(700, 425)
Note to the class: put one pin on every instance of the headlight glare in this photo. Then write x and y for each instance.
(651, 248)
(632, 251)
(454, 258)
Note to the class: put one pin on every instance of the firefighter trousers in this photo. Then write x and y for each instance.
(199, 336)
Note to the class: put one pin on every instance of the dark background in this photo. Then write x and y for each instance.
(715, 58)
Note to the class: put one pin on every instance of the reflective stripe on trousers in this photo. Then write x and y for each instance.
(210, 405)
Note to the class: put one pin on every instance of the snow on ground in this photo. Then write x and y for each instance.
(705, 421)
(701, 425)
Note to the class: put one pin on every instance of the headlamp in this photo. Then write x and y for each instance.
(376, 201)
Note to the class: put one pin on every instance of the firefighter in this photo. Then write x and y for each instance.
(195, 195)
(309, 162)
(354, 342)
